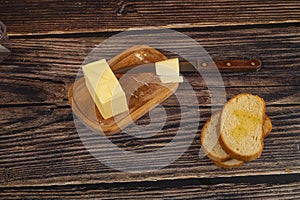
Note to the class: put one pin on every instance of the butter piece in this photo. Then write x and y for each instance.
(105, 89)
(168, 71)
(168, 67)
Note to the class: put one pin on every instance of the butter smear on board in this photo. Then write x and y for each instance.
(105, 89)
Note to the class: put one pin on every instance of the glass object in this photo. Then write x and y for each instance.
(4, 43)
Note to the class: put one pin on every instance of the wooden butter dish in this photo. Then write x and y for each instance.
(143, 92)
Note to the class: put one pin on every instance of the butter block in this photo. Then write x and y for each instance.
(105, 89)
(168, 71)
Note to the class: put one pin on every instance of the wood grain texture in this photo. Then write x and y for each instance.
(54, 62)
(40, 145)
(45, 149)
(41, 153)
(166, 190)
(56, 16)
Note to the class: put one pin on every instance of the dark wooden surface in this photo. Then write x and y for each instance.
(41, 154)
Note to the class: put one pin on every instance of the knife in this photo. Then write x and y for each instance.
(199, 65)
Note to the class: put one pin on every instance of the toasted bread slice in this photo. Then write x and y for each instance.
(211, 146)
(241, 127)
(209, 140)
(231, 163)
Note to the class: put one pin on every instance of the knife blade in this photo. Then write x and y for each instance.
(199, 65)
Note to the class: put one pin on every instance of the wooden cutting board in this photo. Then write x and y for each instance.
(143, 92)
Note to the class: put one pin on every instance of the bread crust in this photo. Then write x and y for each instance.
(267, 126)
(227, 148)
(228, 165)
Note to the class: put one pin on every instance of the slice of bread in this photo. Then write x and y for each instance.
(209, 140)
(241, 127)
(232, 163)
(211, 146)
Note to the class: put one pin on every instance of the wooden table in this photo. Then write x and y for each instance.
(41, 154)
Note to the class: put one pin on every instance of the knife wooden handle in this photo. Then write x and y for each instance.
(231, 65)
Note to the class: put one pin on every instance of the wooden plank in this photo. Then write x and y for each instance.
(55, 17)
(44, 148)
(19, 88)
(50, 64)
(276, 46)
(190, 189)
